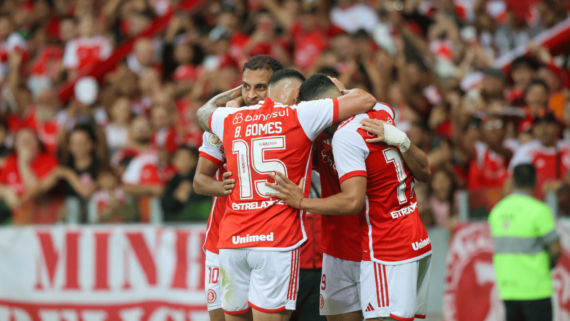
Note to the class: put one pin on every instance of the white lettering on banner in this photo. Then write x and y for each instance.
(106, 273)
(255, 205)
(404, 211)
(236, 239)
(421, 244)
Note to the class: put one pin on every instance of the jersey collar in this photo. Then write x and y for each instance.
(269, 103)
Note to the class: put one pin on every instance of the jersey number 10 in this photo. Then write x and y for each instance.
(258, 162)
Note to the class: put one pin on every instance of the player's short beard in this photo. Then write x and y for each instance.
(252, 102)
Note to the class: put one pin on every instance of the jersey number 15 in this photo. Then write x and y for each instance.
(258, 162)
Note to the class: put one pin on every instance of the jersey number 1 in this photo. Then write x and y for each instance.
(259, 163)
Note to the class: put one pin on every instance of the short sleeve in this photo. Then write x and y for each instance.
(70, 60)
(545, 224)
(317, 115)
(217, 118)
(211, 148)
(350, 153)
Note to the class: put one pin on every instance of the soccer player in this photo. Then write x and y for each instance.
(376, 183)
(340, 280)
(256, 74)
(260, 237)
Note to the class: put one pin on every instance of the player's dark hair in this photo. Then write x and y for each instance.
(525, 61)
(315, 86)
(537, 82)
(263, 62)
(329, 71)
(285, 74)
(525, 176)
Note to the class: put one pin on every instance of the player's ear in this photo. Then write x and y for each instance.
(297, 98)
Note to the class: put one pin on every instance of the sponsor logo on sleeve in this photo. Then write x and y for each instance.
(214, 140)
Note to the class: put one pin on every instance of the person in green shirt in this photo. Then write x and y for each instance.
(526, 249)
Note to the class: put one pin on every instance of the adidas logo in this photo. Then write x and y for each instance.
(369, 308)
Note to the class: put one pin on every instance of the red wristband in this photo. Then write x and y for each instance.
(300, 202)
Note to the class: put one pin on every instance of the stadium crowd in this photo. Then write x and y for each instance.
(132, 137)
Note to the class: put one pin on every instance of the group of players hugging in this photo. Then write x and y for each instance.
(262, 142)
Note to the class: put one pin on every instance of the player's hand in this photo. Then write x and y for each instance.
(235, 103)
(337, 83)
(289, 192)
(386, 133)
(229, 183)
(374, 127)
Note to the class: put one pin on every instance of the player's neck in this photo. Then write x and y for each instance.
(523, 190)
(331, 129)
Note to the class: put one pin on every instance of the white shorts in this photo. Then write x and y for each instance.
(264, 280)
(212, 284)
(396, 291)
(340, 286)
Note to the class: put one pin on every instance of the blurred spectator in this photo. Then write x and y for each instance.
(109, 203)
(117, 131)
(443, 201)
(143, 57)
(548, 155)
(23, 171)
(179, 193)
(88, 49)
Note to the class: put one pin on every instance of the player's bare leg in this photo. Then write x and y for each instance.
(247, 316)
(351, 316)
(216, 315)
(279, 316)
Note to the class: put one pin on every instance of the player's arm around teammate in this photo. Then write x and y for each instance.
(387, 133)
(205, 112)
(353, 190)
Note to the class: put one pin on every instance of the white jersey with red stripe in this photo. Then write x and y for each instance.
(213, 150)
(260, 140)
(390, 223)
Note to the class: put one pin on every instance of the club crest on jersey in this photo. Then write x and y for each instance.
(238, 118)
(211, 296)
(214, 140)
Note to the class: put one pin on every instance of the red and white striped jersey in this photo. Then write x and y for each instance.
(260, 140)
(340, 235)
(213, 150)
(392, 232)
(85, 52)
(551, 163)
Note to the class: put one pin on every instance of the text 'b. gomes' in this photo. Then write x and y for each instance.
(236, 239)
